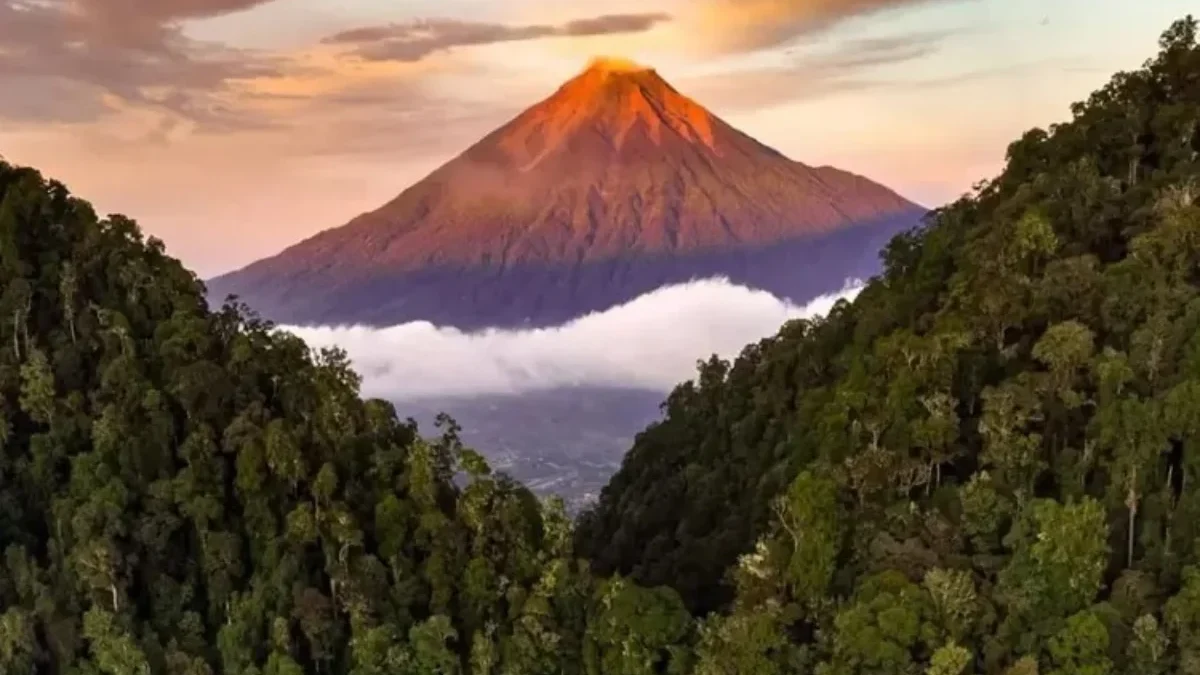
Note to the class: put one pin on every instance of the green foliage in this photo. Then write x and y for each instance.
(1057, 566)
(956, 603)
(1148, 647)
(883, 629)
(809, 516)
(746, 642)
(192, 491)
(949, 659)
(635, 629)
(988, 462)
(1080, 647)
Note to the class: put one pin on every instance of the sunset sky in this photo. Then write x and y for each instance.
(232, 128)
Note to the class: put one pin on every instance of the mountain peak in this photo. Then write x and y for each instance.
(613, 104)
(615, 64)
(607, 78)
(613, 185)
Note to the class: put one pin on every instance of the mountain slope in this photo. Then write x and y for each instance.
(614, 185)
(192, 492)
(990, 460)
(1034, 348)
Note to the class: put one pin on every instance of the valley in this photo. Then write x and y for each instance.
(562, 442)
(984, 460)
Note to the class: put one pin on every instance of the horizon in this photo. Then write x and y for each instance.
(920, 96)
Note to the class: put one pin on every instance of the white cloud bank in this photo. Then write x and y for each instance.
(651, 342)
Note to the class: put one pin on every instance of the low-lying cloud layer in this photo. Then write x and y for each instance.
(652, 342)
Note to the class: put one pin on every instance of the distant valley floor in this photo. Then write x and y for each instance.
(566, 441)
(558, 408)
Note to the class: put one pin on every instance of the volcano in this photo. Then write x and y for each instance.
(614, 185)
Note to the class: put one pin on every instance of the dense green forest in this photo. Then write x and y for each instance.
(993, 454)
(987, 463)
(193, 492)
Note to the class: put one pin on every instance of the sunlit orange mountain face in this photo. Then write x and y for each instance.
(613, 186)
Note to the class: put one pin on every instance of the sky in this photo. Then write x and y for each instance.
(232, 128)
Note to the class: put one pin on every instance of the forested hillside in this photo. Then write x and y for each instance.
(191, 492)
(990, 459)
(988, 463)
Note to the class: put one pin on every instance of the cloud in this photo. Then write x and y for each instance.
(377, 109)
(415, 40)
(751, 25)
(610, 24)
(76, 60)
(815, 71)
(848, 66)
(141, 25)
(652, 342)
(130, 63)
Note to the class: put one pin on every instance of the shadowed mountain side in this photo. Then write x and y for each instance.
(532, 295)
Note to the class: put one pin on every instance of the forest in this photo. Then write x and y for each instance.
(987, 463)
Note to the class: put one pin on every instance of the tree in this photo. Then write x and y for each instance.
(636, 631)
(18, 642)
(1058, 565)
(745, 642)
(882, 630)
(1080, 648)
(949, 659)
(1148, 649)
(955, 602)
(114, 651)
(809, 518)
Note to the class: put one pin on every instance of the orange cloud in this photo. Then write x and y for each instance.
(815, 72)
(416, 40)
(75, 61)
(747, 25)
